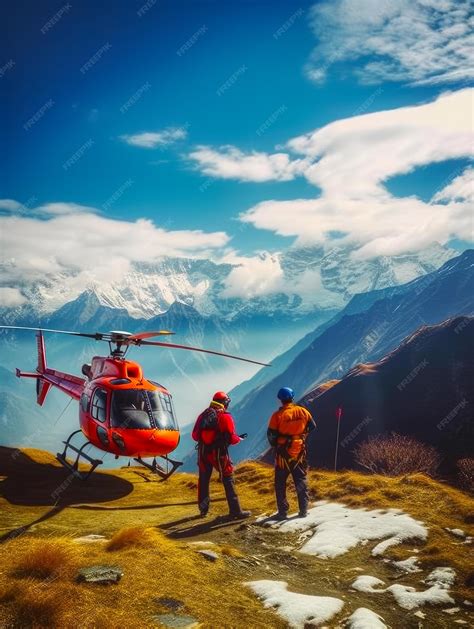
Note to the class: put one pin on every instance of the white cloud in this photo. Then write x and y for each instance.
(309, 286)
(263, 274)
(10, 205)
(415, 41)
(230, 163)
(153, 139)
(461, 188)
(48, 209)
(11, 297)
(90, 246)
(254, 277)
(58, 209)
(349, 160)
(356, 154)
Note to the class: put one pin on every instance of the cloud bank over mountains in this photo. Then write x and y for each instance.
(348, 161)
(66, 237)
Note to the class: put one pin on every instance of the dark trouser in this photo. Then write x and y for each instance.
(298, 474)
(205, 472)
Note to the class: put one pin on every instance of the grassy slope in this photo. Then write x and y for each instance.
(38, 590)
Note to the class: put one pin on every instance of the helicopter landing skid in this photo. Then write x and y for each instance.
(157, 469)
(74, 467)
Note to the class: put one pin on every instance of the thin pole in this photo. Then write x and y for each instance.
(338, 415)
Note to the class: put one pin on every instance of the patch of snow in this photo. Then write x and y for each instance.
(335, 528)
(407, 565)
(452, 610)
(444, 577)
(457, 532)
(367, 583)
(388, 543)
(364, 618)
(408, 598)
(297, 610)
(419, 614)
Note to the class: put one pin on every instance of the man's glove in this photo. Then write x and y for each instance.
(244, 435)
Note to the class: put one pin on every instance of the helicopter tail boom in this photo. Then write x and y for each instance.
(47, 378)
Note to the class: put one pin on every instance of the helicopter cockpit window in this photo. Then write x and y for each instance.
(141, 409)
(99, 405)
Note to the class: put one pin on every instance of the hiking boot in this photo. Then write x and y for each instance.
(302, 514)
(280, 517)
(202, 513)
(240, 515)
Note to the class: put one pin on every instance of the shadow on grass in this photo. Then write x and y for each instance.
(132, 507)
(206, 527)
(25, 528)
(31, 484)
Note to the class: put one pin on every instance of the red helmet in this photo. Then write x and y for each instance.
(222, 398)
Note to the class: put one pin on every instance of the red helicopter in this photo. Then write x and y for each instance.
(120, 411)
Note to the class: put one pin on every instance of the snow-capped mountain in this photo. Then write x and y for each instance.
(312, 280)
(359, 335)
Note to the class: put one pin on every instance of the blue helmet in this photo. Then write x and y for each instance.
(285, 394)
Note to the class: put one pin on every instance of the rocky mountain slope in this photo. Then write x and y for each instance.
(361, 337)
(185, 296)
(424, 389)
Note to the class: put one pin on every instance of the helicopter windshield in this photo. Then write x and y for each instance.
(138, 408)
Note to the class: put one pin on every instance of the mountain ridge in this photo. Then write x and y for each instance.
(362, 337)
(423, 388)
(325, 279)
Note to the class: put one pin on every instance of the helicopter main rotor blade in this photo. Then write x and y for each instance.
(96, 335)
(205, 351)
(146, 335)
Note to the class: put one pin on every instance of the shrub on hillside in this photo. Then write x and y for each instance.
(466, 474)
(394, 454)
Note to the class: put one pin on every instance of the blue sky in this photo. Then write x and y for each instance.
(305, 75)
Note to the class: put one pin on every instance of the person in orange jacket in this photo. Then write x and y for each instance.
(287, 432)
(214, 431)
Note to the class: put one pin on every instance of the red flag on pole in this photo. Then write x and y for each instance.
(338, 415)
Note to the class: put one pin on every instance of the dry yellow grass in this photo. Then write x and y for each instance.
(230, 551)
(44, 558)
(141, 525)
(136, 536)
(154, 566)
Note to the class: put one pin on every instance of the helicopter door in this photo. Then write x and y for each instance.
(98, 411)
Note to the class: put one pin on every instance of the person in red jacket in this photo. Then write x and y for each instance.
(214, 431)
